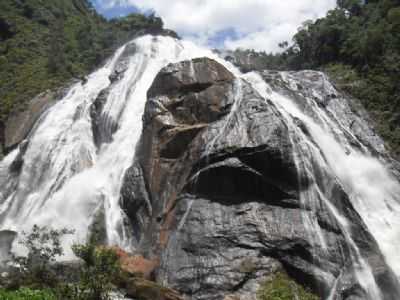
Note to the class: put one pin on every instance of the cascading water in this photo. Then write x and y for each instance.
(67, 178)
(327, 152)
(64, 179)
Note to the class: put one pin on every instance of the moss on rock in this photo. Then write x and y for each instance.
(281, 287)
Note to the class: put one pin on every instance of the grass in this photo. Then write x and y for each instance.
(27, 294)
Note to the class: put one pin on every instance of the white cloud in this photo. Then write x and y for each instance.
(260, 24)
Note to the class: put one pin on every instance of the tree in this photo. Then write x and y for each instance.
(100, 269)
(56, 57)
(352, 6)
(43, 247)
(35, 270)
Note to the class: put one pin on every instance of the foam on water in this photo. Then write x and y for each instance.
(65, 179)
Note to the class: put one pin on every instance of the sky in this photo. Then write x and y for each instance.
(230, 24)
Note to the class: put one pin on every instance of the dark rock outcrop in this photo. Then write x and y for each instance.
(7, 237)
(246, 60)
(2, 139)
(215, 193)
(6, 30)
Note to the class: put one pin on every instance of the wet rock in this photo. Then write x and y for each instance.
(7, 238)
(136, 265)
(19, 124)
(18, 162)
(2, 139)
(216, 192)
(103, 126)
(345, 110)
(135, 200)
(123, 62)
(246, 61)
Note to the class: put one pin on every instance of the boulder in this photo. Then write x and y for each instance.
(136, 265)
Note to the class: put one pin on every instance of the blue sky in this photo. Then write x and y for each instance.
(114, 11)
(231, 24)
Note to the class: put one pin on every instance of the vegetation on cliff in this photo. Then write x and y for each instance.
(358, 45)
(282, 287)
(43, 44)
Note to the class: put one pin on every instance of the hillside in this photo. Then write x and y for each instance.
(43, 44)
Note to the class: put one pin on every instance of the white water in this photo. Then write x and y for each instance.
(65, 179)
(372, 190)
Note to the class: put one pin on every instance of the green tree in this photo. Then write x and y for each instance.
(99, 271)
(43, 247)
(43, 44)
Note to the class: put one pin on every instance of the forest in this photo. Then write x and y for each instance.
(44, 44)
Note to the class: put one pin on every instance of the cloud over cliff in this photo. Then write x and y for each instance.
(257, 24)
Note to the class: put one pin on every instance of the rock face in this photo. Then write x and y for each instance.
(216, 192)
(246, 61)
(6, 239)
(18, 126)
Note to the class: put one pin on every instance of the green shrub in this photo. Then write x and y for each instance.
(27, 294)
(281, 287)
(100, 269)
(43, 246)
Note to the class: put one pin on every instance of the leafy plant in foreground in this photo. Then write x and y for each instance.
(43, 247)
(96, 276)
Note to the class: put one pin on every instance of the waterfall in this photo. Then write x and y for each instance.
(67, 179)
(325, 152)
